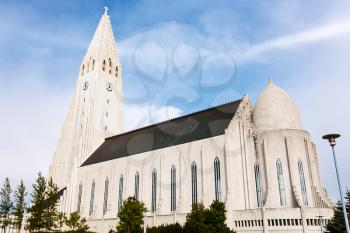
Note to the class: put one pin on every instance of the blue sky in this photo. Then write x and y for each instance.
(177, 57)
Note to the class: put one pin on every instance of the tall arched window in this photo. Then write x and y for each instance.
(194, 182)
(281, 188)
(154, 190)
(258, 184)
(93, 64)
(105, 196)
(83, 70)
(173, 189)
(92, 197)
(137, 185)
(79, 197)
(120, 199)
(217, 177)
(302, 182)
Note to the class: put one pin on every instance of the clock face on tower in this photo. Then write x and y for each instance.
(109, 86)
(86, 85)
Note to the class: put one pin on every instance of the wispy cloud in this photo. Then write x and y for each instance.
(321, 33)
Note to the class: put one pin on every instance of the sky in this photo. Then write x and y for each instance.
(177, 57)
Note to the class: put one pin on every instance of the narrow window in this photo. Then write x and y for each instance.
(82, 70)
(116, 71)
(302, 182)
(120, 200)
(79, 197)
(92, 196)
(105, 196)
(258, 184)
(194, 182)
(173, 188)
(281, 188)
(104, 65)
(154, 191)
(93, 64)
(137, 185)
(110, 66)
(217, 177)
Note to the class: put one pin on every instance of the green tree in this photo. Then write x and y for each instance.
(131, 216)
(216, 217)
(76, 224)
(20, 205)
(50, 214)
(36, 221)
(195, 220)
(6, 204)
(336, 224)
(61, 220)
(171, 228)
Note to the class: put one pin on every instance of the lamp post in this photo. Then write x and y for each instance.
(331, 139)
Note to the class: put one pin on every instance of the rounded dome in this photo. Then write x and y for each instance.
(274, 109)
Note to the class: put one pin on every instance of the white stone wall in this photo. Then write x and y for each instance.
(238, 150)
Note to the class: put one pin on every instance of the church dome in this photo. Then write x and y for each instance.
(274, 109)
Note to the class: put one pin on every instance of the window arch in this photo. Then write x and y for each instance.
(302, 182)
(105, 196)
(120, 199)
(173, 189)
(257, 175)
(92, 197)
(79, 196)
(154, 190)
(137, 185)
(217, 177)
(280, 179)
(194, 182)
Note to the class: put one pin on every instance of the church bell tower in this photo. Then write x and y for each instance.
(96, 108)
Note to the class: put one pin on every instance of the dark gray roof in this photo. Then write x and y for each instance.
(195, 126)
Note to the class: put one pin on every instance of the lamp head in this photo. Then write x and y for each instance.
(331, 138)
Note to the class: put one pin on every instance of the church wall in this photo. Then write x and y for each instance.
(203, 152)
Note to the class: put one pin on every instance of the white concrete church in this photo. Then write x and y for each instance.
(258, 160)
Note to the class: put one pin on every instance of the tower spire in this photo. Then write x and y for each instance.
(102, 51)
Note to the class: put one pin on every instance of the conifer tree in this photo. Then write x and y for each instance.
(36, 222)
(337, 224)
(6, 204)
(195, 220)
(50, 214)
(131, 216)
(61, 220)
(76, 224)
(20, 205)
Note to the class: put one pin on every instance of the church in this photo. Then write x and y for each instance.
(257, 159)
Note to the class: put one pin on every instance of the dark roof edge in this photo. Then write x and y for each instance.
(173, 119)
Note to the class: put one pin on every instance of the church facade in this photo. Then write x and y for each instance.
(257, 159)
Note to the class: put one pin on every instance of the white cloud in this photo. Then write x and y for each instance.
(323, 32)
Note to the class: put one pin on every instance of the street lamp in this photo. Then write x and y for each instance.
(331, 139)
